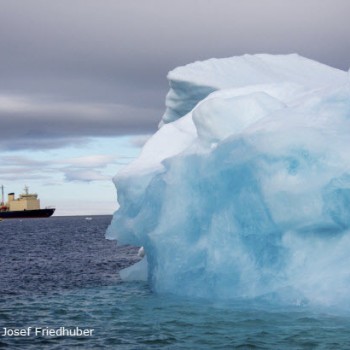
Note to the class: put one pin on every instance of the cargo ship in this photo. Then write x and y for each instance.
(26, 206)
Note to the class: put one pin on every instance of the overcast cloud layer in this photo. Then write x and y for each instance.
(73, 69)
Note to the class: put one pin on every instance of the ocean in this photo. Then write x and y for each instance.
(60, 275)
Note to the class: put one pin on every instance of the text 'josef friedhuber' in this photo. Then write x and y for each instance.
(47, 332)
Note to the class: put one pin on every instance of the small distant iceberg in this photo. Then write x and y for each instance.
(244, 191)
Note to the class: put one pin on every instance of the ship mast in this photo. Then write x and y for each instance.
(2, 195)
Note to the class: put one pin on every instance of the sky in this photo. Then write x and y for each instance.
(83, 82)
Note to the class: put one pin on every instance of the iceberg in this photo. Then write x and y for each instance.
(244, 191)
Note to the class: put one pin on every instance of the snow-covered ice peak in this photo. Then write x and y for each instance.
(192, 83)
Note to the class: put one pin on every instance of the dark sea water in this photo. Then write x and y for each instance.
(62, 272)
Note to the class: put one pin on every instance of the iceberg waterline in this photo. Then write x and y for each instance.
(244, 191)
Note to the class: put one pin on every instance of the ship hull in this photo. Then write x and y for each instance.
(38, 213)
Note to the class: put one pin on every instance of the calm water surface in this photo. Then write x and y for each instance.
(61, 272)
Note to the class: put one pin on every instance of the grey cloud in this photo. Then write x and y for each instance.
(85, 169)
(12, 176)
(117, 53)
(99, 160)
(139, 140)
(17, 142)
(38, 123)
(25, 172)
(86, 176)
(7, 161)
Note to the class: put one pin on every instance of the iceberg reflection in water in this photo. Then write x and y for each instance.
(244, 191)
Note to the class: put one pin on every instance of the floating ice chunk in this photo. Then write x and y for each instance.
(136, 272)
(141, 252)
